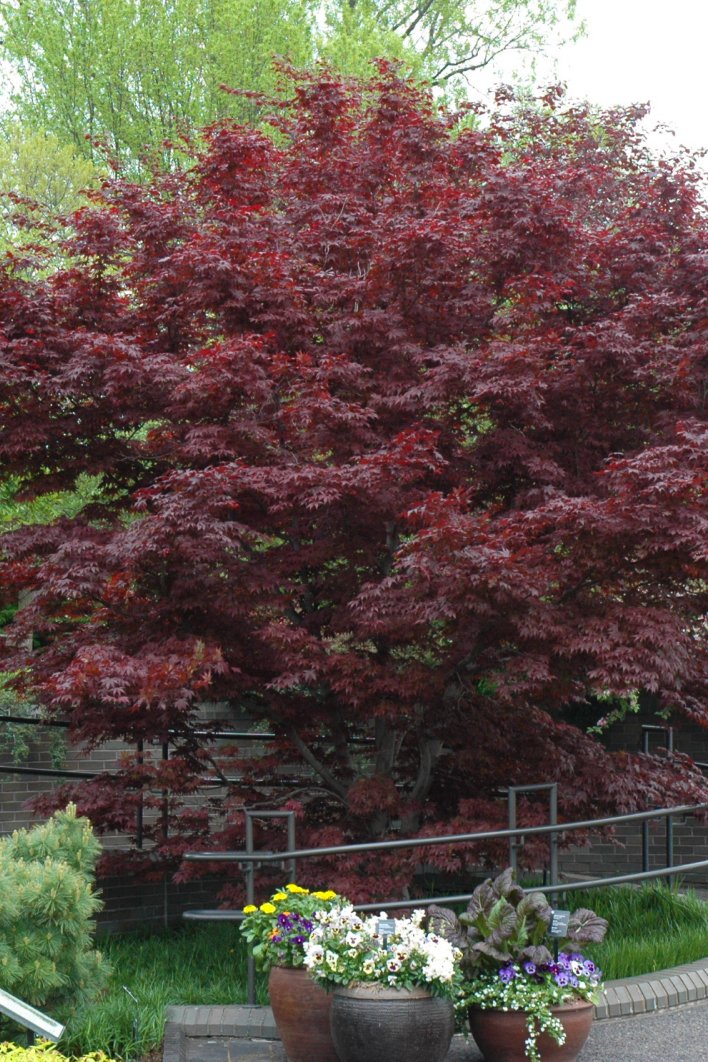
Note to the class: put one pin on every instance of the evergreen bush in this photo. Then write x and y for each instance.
(47, 908)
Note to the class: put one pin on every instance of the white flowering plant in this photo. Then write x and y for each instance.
(347, 949)
(506, 959)
(534, 988)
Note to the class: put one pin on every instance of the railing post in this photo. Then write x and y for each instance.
(250, 898)
(251, 871)
(515, 841)
(292, 863)
(669, 846)
(555, 836)
(165, 796)
(645, 846)
(139, 814)
(668, 735)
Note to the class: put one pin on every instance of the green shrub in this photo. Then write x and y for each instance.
(47, 906)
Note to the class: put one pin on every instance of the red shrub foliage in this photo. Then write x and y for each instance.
(399, 428)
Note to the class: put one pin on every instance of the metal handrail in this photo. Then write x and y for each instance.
(246, 735)
(290, 855)
(236, 915)
(453, 838)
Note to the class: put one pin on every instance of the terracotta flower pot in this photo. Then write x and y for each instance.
(501, 1034)
(301, 1010)
(371, 1023)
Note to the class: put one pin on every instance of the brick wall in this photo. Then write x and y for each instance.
(132, 904)
(608, 858)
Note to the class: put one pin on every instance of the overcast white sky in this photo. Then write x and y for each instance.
(638, 50)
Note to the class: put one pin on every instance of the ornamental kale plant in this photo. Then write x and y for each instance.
(345, 948)
(278, 929)
(504, 925)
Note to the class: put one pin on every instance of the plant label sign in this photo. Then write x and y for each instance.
(559, 923)
(386, 928)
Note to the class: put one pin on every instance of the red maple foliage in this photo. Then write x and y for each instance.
(398, 418)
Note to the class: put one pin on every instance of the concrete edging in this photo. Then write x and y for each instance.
(254, 1027)
(656, 991)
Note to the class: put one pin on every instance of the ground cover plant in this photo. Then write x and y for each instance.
(398, 423)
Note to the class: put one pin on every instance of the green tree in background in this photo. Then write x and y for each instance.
(444, 41)
(140, 71)
(38, 167)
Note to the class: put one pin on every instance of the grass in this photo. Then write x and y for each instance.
(651, 928)
(190, 964)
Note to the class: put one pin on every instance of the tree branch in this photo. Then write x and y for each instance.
(317, 766)
(429, 749)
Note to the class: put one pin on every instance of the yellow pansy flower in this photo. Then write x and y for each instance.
(296, 888)
(327, 895)
(268, 908)
(250, 908)
(280, 896)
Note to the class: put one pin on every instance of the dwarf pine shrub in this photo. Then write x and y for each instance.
(47, 909)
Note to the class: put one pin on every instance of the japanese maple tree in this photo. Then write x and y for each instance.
(399, 428)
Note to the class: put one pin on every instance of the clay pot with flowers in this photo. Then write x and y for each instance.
(277, 932)
(392, 982)
(523, 1000)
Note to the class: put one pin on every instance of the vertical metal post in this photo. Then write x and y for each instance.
(513, 841)
(165, 796)
(645, 846)
(292, 868)
(250, 873)
(668, 734)
(669, 844)
(139, 816)
(555, 836)
(165, 831)
(250, 898)
(516, 842)
(644, 826)
(670, 821)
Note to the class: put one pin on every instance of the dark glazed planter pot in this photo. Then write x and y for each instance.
(301, 1010)
(375, 1024)
(501, 1034)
